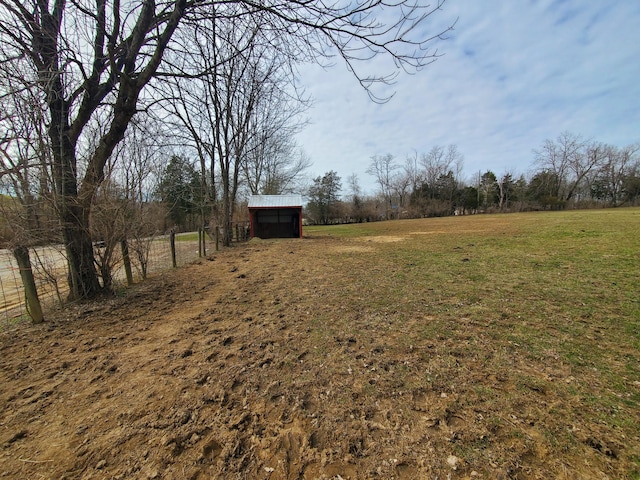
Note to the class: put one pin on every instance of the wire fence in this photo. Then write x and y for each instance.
(49, 265)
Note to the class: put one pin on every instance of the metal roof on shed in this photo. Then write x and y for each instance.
(275, 201)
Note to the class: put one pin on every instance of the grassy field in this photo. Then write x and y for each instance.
(479, 347)
(560, 290)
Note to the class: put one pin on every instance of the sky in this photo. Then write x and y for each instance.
(513, 73)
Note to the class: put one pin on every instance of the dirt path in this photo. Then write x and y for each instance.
(237, 367)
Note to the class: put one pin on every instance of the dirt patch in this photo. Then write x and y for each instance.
(383, 238)
(354, 249)
(268, 361)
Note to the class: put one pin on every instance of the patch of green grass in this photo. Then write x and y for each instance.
(10, 322)
(187, 237)
(560, 282)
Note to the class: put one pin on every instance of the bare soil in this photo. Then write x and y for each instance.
(255, 364)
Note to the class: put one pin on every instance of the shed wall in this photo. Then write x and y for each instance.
(276, 222)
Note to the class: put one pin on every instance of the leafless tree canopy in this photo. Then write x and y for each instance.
(95, 63)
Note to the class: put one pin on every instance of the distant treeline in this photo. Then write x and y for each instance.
(567, 173)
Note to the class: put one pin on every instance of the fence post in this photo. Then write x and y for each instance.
(204, 242)
(172, 241)
(124, 246)
(199, 242)
(217, 237)
(21, 253)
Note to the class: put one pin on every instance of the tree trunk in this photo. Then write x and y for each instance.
(73, 215)
(126, 259)
(82, 276)
(34, 308)
(227, 233)
(227, 212)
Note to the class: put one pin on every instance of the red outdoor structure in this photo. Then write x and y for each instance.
(275, 216)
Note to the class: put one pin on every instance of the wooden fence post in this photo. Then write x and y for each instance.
(21, 253)
(204, 242)
(124, 246)
(199, 242)
(172, 241)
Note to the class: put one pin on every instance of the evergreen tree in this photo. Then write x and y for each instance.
(181, 190)
(324, 197)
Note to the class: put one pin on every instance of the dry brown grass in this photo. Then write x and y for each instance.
(480, 347)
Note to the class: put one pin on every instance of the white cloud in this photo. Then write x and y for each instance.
(513, 75)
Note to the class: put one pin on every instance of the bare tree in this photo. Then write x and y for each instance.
(568, 160)
(240, 116)
(618, 165)
(94, 59)
(274, 163)
(356, 197)
(383, 168)
(412, 171)
(239, 85)
(24, 167)
(24, 177)
(275, 172)
(438, 162)
(402, 184)
(80, 73)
